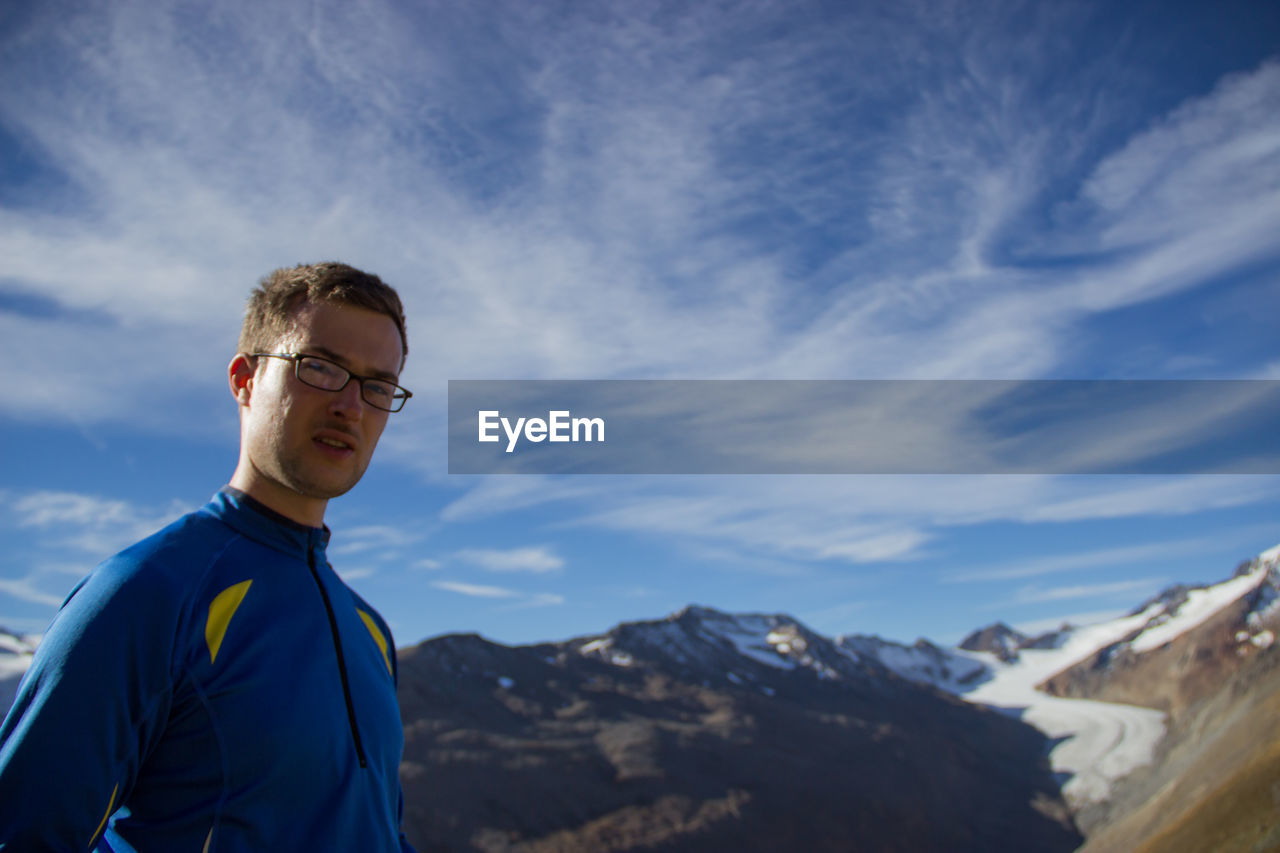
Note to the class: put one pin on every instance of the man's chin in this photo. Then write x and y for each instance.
(324, 488)
(328, 492)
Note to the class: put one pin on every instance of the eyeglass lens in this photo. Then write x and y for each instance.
(319, 373)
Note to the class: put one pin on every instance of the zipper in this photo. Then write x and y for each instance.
(342, 664)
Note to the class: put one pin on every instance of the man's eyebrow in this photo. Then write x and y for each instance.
(333, 356)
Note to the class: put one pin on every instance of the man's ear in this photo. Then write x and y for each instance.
(240, 374)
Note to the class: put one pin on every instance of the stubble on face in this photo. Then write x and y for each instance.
(289, 429)
(287, 457)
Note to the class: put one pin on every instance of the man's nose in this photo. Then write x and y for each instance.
(348, 402)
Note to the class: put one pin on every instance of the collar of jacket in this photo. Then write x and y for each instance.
(263, 524)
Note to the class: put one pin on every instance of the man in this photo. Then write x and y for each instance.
(217, 687)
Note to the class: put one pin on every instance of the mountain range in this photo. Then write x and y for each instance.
(706, 731)
(709, 731)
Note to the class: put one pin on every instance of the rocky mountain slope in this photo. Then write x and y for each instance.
(1215, 781)
(1095, 743)
(706, 731)
(1170, 715)
(1197, 638)
(709, 731)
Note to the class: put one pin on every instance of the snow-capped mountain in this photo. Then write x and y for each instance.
(997, 666)
(1211, 665)
(709, 731)
(1100, 741)
(707, 644)
(998, 639)
(753, 732)
(705, 714)
(1005, 642)
(923, 662)
(996, 649)
(1170, 619)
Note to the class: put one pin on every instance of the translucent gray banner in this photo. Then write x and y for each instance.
(864, 427)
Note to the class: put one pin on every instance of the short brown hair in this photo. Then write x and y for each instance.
(276, 300)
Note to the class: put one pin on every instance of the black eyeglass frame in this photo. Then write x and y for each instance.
(399, 393)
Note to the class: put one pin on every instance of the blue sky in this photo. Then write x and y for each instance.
(731, 190)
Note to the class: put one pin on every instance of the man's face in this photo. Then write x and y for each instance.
(305, 445)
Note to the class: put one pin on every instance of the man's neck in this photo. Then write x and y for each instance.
(304, 510)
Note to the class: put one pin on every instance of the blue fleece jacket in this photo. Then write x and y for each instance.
(216, 687)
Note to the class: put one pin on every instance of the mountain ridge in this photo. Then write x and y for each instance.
(712, 730)
(707, 731)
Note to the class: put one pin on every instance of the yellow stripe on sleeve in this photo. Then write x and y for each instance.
(372, 625)
(111, 807)
(220, 612)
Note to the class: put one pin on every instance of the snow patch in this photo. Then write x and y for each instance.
(758, 638)
(1199, 606)
(1267, 606)
(1101, 741)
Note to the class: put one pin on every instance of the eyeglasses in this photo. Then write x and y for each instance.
(329, 376)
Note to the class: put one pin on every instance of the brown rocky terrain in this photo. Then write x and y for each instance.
(1170, 678)
(665, 736)
(708, 732)
(1215, 784)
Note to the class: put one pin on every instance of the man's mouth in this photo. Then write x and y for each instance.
(337, 441)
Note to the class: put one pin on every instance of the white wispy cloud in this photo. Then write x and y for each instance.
(513, 599)
(516, 600)
(386, 539)
(491, 495)
(1116, 498)
(784, 519)
(877, 547)
(1216, 153)
(635, 159)
(540, 599)
(692, 193)
(537, 559)
(757, 520)
(1035, 594)
(28, 589)
(1126, 557)
(62, 534)
(475, 590)
(96, 525)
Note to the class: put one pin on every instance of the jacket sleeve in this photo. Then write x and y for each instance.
(90, 707)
